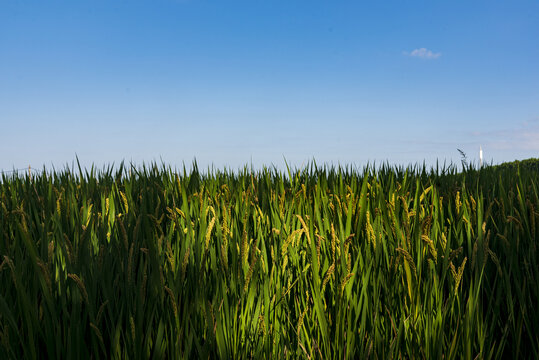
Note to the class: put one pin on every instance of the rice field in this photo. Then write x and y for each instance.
(313, 263)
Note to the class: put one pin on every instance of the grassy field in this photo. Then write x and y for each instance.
(314, 263)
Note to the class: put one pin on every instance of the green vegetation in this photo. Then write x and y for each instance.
(525, 165)
(314, 263)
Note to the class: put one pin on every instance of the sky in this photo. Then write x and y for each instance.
(234, 83)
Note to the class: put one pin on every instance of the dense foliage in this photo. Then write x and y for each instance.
(524, 165)
(313, 263)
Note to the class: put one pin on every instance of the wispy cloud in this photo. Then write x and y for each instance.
(423, 53)
(524, 136)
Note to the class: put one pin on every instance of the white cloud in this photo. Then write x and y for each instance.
(423, 53)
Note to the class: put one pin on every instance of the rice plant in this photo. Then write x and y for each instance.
(319, 262)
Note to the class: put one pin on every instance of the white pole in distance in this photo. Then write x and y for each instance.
(480, 156)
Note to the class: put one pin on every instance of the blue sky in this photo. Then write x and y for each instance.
(252, 82)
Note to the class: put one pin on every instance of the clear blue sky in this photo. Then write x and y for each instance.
(239, 82)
